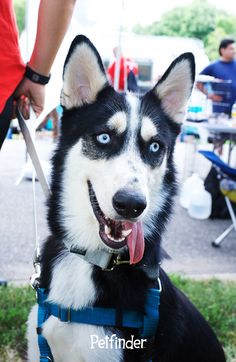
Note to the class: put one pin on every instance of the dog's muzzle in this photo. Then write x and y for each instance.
(116, 233)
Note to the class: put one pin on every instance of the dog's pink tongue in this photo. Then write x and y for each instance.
(135, 241)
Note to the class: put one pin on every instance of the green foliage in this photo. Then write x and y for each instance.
(216, 300)
(197, 20)
(225, 27)
(19, 6)
(15, 304)
(212, 43)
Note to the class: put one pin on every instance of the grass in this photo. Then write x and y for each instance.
(15, 304)
(215, 299)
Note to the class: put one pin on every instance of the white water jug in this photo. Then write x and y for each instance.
(200, 204)
(190, 185)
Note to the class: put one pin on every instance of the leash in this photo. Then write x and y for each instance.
(29, 137)
(28, 130)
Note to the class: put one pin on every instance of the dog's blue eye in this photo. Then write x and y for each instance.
(154, 147)
(104, 138)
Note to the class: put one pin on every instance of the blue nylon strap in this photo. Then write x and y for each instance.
(107, 316)
(44, 349)
(151, 317)
(147, 323)
(95, 316)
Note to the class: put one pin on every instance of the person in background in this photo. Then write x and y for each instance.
(54, 118)
(127, 74)
(26, 83)
(222, 69)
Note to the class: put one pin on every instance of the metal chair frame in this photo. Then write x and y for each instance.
(223, 170)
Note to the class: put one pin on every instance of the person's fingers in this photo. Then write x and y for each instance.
(14, 110)
(30, 94)
(23, 106)
(25, 112)
(37, 110)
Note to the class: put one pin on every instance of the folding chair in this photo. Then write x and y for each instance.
(227, 176)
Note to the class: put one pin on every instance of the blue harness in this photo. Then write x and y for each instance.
(146, 323)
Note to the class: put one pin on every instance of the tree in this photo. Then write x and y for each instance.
(197, 20)
(19, 6)
(212, 44)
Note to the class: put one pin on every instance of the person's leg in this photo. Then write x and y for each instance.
(5, 119)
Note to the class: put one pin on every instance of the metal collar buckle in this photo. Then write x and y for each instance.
(35, 278)
(46, 358)
(64, 317)
(117, 261)
(159, 285)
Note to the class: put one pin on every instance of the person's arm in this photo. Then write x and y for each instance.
(214, 97)
(53, 20)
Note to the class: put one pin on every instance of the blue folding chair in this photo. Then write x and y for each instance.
(227, 177)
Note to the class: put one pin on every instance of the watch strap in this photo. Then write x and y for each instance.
(36, 77)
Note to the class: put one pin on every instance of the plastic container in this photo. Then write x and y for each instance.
(190, 185)
(200, 204)
(197, 107)
(233, 112)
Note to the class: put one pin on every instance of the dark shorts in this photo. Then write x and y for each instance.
(5, 119)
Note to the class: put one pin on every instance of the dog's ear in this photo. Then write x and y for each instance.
(84, 75)
(175, 86)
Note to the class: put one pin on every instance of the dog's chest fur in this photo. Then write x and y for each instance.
(72, 284)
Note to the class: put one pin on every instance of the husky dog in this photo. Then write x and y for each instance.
(113, 186)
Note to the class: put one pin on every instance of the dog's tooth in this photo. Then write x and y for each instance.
(126, 232)
(121, 239)
(115, 240)
(107, 230)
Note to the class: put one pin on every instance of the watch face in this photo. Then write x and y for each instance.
(35, 77)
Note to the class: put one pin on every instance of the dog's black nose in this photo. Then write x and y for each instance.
(129, 204)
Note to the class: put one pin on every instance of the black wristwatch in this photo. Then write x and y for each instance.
(36, 77)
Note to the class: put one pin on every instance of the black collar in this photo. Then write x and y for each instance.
(108, 260)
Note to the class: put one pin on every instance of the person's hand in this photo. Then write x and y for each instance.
(29, 94)
(214, 97)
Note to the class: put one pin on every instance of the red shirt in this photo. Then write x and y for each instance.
(12, 67)
(126, 65)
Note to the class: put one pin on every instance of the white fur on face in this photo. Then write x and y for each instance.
(83, 78)
(148, 129)
(157, 197)
(134, 112)
(107, 177)
(118, 122)
(175, 90)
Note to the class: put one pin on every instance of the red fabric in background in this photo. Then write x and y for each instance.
(12, 67)
(124, 62)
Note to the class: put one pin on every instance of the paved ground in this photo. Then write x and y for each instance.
(186, 240)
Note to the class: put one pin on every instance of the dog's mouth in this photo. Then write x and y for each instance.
(115, 233)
